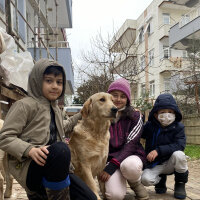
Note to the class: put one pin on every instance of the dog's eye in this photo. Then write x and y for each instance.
(102, 99)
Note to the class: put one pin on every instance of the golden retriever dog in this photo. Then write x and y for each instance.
(90, 139)
(4, 173)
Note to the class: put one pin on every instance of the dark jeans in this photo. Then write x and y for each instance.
(56, 169)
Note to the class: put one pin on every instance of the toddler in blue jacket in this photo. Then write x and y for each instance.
(165, 143)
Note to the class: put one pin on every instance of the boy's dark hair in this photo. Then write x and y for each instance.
(55, 70)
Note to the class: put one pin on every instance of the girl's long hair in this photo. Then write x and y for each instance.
(128, 112)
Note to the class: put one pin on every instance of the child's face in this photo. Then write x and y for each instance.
(163, 111)
(52, 86)
(165, 116)
(120, 99)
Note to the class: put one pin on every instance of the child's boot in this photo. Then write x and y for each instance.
(179, 187)
(139, 189)
(160, 187)
(40, 195)
(58, 194)
(57, 190)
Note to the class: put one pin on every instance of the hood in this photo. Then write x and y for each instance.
(165, 101)
(36, 77)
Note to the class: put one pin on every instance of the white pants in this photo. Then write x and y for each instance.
(131, 170)
(177, 162)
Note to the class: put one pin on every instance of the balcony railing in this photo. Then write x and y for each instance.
(190, 16)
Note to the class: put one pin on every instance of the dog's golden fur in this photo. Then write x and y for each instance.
(4, 173)
(90, 139)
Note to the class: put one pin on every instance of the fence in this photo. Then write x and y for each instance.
(192, 128)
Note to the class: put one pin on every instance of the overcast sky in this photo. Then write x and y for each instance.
(92, 16)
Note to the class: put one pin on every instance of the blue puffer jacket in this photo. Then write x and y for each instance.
(165, 140)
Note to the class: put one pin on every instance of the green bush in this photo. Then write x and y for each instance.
(193, 151)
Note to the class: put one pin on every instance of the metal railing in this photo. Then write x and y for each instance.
(188, 17)
(37, 43)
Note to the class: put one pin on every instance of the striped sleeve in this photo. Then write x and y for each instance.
(136, 130)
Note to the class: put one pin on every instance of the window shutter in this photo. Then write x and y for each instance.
(2, 5)
(22, 25)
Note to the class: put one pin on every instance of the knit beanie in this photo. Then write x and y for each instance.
(121, 85)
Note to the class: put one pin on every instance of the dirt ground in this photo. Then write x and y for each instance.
(192, 187)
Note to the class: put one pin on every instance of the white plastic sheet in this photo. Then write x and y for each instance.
(15, 67)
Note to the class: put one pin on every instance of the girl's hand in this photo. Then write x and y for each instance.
(39, 155)
(104, 176)
(152, 155)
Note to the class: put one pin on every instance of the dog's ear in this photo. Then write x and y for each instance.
(86, 108)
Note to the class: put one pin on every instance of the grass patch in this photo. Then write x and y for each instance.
(193, 151)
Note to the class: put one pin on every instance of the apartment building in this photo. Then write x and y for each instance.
(157, 60)
(39, 27)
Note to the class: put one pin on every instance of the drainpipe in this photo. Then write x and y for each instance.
(56, 4)
(146, 56)
(39, 43)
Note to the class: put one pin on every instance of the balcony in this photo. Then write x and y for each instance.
(59, 13)
(164, 31)
(173, 64)
(174, 5)
(182, 34)
(126, 64)
(125, 37)
(188, 3)
(64, 58)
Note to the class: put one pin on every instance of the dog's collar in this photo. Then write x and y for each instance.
(118, 115)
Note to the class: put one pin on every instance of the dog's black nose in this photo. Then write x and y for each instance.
(114, 110)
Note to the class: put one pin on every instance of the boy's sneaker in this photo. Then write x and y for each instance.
(160, 187)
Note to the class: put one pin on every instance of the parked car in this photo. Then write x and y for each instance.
(72, 109)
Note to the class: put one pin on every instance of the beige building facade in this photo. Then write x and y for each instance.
(147, 40)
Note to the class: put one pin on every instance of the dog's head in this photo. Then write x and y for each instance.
(99, 105)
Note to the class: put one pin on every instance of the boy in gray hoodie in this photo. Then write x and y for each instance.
(33, 135)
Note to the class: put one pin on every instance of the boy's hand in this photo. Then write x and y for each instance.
(152, 155)
(39, 155)
(104, 176)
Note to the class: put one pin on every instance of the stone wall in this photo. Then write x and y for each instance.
(192, 128)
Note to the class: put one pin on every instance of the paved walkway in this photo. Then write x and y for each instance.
(192, 187)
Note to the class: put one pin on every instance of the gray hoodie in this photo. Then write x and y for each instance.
(27, 123)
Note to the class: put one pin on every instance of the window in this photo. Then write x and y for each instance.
(2, 6)
(21, 23)
(151, 58)
(135, 96)
(152, 89)
(143, 90)
(166, 51)
(166, 18)
(167, 84)
(142, 62)
(141, 35)
(150, 28)
(185, 54)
